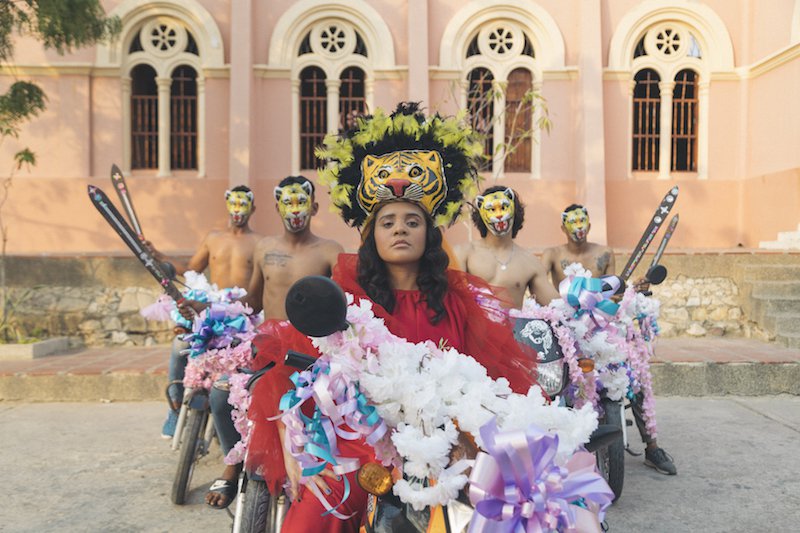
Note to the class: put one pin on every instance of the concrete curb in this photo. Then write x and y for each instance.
(669, 379)
(715, 379)
(113, 386)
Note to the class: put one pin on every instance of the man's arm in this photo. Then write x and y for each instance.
(198, 262)
(612, 263)
(548, 265)
(332, 251)
(255, 289)
(461, 253)
(538, 284)
(605, 262)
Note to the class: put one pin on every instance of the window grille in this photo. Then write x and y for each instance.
(684, 122)
(313, 114)
(519, 121)
(646, 120)
(144, 118)
(351, 96)
(183, 119)
(480, 103)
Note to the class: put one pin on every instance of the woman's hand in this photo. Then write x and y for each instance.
(294, 473)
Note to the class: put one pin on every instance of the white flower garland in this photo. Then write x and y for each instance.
(422, 391)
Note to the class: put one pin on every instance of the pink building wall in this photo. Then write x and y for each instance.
(752, 190)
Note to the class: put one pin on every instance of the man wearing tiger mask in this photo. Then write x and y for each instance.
(498, 215)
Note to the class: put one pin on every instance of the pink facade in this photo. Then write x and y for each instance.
(583, 57)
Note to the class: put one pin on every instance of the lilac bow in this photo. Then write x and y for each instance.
(517, 487)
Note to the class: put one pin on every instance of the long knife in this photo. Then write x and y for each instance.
(665, 240)
(121, 227)
(650, 232)
(118, 180)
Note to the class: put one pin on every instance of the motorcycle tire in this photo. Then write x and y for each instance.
(256, 508)
(191, 442)
(611, 459)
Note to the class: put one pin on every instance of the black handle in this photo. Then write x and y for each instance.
(298, 360)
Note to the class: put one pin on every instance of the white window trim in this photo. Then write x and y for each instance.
(666, 72)
(164, 68)
(114, 55)
(290, 30)
(500, 72)
(333, 71)
(715, 43)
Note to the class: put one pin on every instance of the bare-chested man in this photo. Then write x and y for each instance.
(599, 260)
(595, 257)
(279, 261)
(228, 254)
(283, 259)
(496, 258)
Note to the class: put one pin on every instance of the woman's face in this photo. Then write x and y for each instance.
(400, 229)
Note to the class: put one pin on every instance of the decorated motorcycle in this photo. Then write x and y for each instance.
(416, 404)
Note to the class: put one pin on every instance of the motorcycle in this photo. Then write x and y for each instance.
(193, 437)
(257, 511)
(386, 512)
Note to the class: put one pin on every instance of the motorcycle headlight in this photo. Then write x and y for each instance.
(552, 376)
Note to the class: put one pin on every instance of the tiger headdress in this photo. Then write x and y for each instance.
(428, 160)
(413, 175)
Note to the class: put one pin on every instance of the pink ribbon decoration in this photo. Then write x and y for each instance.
(518, 488)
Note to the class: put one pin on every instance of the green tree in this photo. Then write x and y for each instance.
(61, 25)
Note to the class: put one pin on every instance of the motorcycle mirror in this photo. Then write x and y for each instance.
(316, 306)
(656, 274)
(603, 436)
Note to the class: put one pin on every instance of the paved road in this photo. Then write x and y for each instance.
(102, 467)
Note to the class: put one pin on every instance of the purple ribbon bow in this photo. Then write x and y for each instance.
(517, 487)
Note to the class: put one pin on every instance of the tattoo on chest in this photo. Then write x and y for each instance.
(276, 258)
(602, 262)
(564, 264)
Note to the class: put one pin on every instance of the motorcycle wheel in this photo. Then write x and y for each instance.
(611, 459)
(191, 442)
(256, 508)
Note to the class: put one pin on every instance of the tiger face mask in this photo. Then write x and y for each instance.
(497, 211)
(576, 224)
(240, 206)
(295, 205)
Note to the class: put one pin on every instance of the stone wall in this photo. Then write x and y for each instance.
(699, 307)
(92, 300)
(96, 300)
(89, 315)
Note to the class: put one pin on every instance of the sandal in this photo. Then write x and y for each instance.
(225, 487)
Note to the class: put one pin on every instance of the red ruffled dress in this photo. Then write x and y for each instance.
(468, 327)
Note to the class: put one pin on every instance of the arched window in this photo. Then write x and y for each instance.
(499, 71)
(183, 119)
(313, 114)
(668, 101)
(165, 102)
(646, 120)
(352, 98)
(519, 120)
(144, 118)
(480, 104)
(684, 122)
(333, 69)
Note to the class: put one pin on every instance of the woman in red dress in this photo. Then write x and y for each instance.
(402, 268)
(393, 185)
